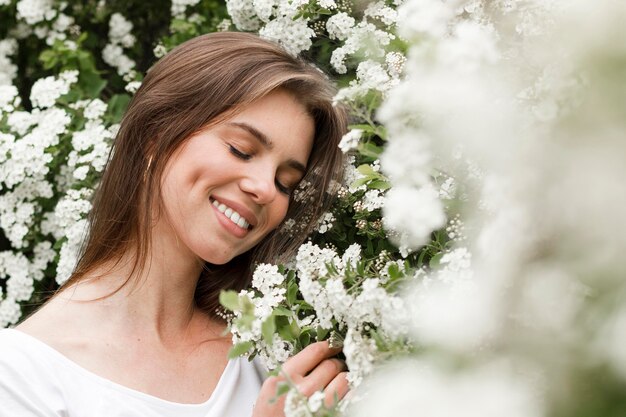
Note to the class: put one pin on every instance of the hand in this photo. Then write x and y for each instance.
(311, 370)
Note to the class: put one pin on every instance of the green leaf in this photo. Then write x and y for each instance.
(305, 338)
(360, 268)
(394, 271)
(366, 169)
(239, 349)
(117, 106)
(379, 185)
(434, 261)
(282, 311)
(268, 328)
(360, 182)
(48, 58)
(370, 149)
(230, 300)
(364, 127)
(321, 333)
(292, 292)
(91, 83)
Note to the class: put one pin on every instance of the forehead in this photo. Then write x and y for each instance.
(284, 123)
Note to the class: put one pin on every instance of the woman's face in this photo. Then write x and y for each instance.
(228, 186)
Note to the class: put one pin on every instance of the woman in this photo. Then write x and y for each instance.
(201, 176)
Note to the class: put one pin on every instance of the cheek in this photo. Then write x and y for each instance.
(279, 214)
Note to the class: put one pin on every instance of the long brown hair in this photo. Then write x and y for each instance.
(200, 83)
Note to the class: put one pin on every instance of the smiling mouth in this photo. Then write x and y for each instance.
(231, 215)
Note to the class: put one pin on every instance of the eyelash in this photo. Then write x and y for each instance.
(246, 157)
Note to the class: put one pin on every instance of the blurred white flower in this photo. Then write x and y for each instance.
(415, 212)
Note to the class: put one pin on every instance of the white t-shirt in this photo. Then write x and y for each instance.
(38, 381)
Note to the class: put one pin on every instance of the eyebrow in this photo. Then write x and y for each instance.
(266, 142)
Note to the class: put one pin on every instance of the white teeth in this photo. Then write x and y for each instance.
(231, 214)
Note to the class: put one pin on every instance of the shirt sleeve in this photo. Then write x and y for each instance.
(28, 388)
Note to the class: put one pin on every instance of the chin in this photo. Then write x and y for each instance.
(223, 258)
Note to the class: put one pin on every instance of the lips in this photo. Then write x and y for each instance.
(236, 213)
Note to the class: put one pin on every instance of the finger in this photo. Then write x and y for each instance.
(267, 403)
(321, 376)
(308, 358)
(336, 389)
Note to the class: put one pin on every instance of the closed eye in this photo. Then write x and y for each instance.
(239, 154)
(283, 189)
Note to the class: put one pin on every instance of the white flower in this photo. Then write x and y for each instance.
(46, 91)
(362, 35)
(373, 199)
(81, 172)
(179, 6)
(339, 25)
(437, 392)
(119, 31)
(316, 400)
(133, 86)
(352, 255)
(372, 75)
(68, 256)
(266, 277)
(114, 56)
(352, 174)
(395, 63)
(35, 11)
(360, 355)
(296, 404)
(159, 51)
(415, 212)
(325, 223)
(379, 10)
(424, 17)
(350, 140)
(294, 35)
(243, 14)
(95, 109)
(9, 98)
(10, 312)
(399, 168)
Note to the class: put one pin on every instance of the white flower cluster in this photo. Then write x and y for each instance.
(35, 11)
(294, 35)
(91, 145)
(350, 140)
(270, 283)
(119, 38)
(364, 37)
(69, 221)
(526, 91)
(28, 149)
(8, 70)
(46, 91)
(23, 169)
(9, 98)
(44, 19)
(179, 6)
(21, 273)
(352, 309)
(274, 20)
(325, 222)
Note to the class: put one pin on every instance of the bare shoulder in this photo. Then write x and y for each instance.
(52, 322)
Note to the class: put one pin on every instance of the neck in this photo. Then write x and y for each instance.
(157, 301)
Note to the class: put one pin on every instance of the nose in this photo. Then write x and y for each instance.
(260, 185)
